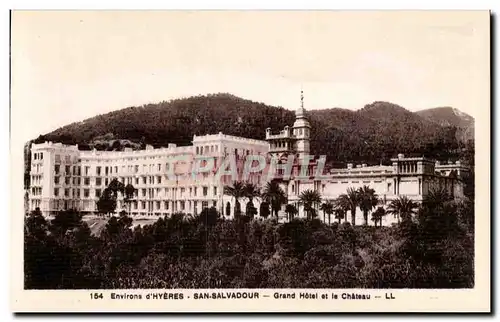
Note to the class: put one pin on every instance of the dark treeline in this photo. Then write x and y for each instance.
(372, 134)
(434, 248)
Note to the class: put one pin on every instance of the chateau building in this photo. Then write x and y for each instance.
(64, 177)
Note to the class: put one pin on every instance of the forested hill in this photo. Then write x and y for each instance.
(378, 131)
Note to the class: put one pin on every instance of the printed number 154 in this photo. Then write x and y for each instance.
(96, 296)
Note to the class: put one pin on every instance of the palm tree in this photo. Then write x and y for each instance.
(402, 208)
(327, 208)
(342, 206)
(251, 191)
(310, 199)
(291, 210)
(275, 196)
(340, 213)
(352, 199)
(377, 215)
(367, 201)
(237, 191)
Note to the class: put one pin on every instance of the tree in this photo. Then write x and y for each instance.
(367, 201)
(342, 205)
(251, 191)
(310, 199)
(327, 208)
(291, 211)
(402, 208)
(339, 213)
(107, 202)
(264, 211)
(377, 216)
(251, 211)
(275, 196)
(35, 224)
(116, 186)
(209, 216)
(65, 221)
(237, 191)
(439, 213)
(129, 192)
(352, 198)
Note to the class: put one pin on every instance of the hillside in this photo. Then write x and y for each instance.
(448, 116)
(372, 134)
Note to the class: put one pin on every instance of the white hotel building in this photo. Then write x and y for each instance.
(63, 177)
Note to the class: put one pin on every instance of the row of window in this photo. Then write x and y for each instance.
(38, 156)
(36, 191)
(36, 180)
(193, 192)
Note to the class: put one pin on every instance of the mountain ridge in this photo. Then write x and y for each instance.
(339, 132)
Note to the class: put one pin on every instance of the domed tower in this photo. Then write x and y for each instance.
(301, 129)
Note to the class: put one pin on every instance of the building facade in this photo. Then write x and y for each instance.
(63, 177)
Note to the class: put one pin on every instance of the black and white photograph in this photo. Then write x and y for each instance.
(251, 154)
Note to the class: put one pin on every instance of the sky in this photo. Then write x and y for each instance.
(69, 66)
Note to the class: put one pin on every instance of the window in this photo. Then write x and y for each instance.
(56, 180)
(67, 159)
(86, 181)
(143, 180)
(57, 168)
(41, 155)
(56, 192)
(86, 193)
(143, 205)
(144, 192)
(98, 181)
(116, 169)
(67, 169)
(157, 205)
(136, 169)
(136, 181)
(97, 193)
(183, 205)
(98, 171)
(215, 191)
(78, 193)
(106, 181)
(205, 191)
(58, 158)
(66, 192)
(67, 180)
(166, 205)
(204, 204)
(159, 167)
(87, 170)
(158, 179)
(195, 191)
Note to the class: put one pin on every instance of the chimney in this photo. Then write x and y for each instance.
(149, 147)
(172, 145)
(401, 156)
(358, 165)
(363, 165)
(349, 166)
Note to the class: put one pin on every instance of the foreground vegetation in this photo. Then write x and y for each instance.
(432, 248)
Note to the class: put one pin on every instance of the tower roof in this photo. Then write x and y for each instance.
(300, 114)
